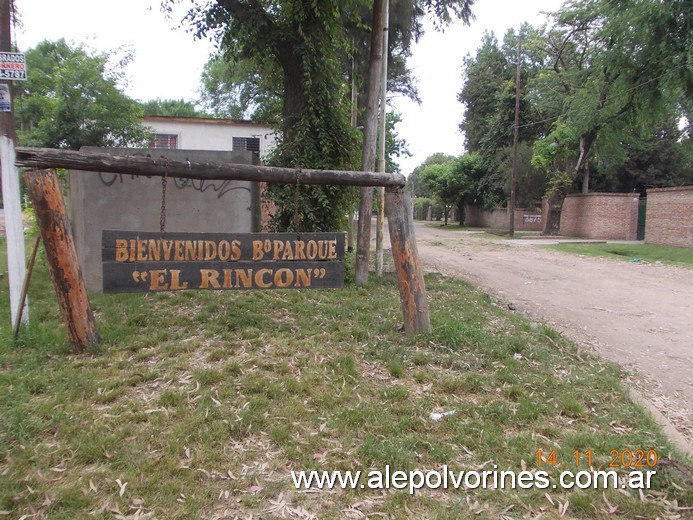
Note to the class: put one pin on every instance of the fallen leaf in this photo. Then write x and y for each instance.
(121, 486)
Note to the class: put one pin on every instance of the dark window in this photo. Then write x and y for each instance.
(163, 141)
(250, 144)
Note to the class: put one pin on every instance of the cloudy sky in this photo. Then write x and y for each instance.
(168, 61)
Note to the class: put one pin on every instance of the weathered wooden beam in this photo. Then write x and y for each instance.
(161, 166)
(47, 199)
(412, 289)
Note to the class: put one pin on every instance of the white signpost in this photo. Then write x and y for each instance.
(14, 228)
(12, 68)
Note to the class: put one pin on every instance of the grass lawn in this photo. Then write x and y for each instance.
(200, 404)
(627, 252)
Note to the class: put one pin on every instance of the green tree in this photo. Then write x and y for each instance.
(454, 182)
(488, 95)
(440, 180)
(616, 66)
(171, 107)
(405, 27)
(241, 88)
(302, 42)
(661, 159)
(470, 175)
(72, 99)
(530, 181)
(482, 74)
(414, 182)
(305, 43)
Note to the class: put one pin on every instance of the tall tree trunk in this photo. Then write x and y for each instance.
(460, 213)
(294, 93)
(586, 178)
(363, 242)
(553, 221)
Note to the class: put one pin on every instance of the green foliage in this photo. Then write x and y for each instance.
(662, 159)
(72, 99)
(603, 89)
(452, 181)
(530, 184)
(617, 71)
(171, 107)
(422, 205)
(311, 208)
(287, 63)
(414, 184)
(552, 153)
(242, 88)
(394, 146)
(300, 43)
(488, 95)
(455, 182)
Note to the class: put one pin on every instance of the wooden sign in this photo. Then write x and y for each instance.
(149, 261)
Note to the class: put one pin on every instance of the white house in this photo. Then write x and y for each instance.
(194, 133)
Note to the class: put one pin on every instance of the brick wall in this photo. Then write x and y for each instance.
(601, 216)
(669, 217)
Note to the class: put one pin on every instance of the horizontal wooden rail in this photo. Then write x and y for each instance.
(161, 166)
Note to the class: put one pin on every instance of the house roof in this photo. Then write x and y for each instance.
(208, 121)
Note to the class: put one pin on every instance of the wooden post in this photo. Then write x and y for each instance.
(363, 240)
(382, 131)
(47, 199)
(513, 174)
(412, 289)
(25, 287)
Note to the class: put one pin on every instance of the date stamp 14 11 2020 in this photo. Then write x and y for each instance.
(630, 459)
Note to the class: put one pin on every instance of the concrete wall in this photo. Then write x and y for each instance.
(476, 216)
(211, 134)
(669, 217)
(497, 218)
(528, 220)
(601, 216)
(101, 201)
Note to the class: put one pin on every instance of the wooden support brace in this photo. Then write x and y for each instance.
(47, 199)
(412, 289)
(25, 286)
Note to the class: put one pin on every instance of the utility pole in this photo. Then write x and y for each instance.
(513, 174)
(14, 228)
(351, 230)
(382, 158)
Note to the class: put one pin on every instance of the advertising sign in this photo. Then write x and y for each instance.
(12, 66)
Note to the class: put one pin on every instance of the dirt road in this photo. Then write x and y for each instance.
(638, 315)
